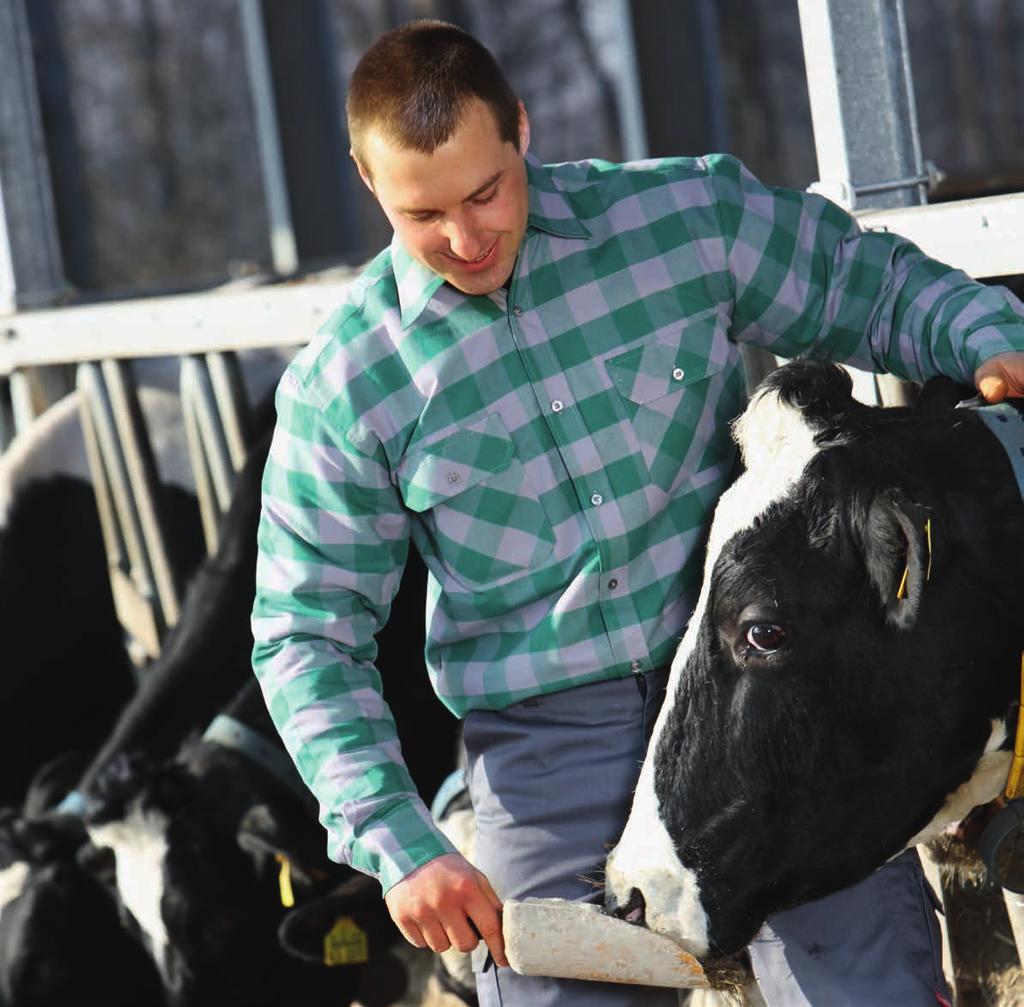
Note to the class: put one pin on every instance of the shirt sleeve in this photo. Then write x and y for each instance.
(809, 282)
(333, 539)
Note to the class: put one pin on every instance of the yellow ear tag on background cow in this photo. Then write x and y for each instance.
(345, 943)
(284, 881)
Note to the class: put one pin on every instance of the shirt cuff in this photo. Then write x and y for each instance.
(392, 845)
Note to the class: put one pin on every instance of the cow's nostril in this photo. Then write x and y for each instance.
(633, 910)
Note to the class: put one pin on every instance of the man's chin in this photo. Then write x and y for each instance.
(475, 284)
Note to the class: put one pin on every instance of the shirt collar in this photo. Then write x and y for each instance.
(549, 210)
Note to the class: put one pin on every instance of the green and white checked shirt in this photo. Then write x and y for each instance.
(554, 452)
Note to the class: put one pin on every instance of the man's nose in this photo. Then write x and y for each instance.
(465, 239)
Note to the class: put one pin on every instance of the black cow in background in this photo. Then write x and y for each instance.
(205, 661)
(62, 937)
(66, 671)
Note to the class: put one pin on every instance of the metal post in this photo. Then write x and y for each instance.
(127, 494)
(217, 425)
(31, 268)
(282, 235)
(862, 109)
(628, 96)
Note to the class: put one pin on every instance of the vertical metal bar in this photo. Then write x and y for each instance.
(283, 252)
(209, 512)
(131, 580)
(31, 269)
(232, 405)
(862, 100)
(862, 107)
(202, 406)
(628, 96)
(141, 468)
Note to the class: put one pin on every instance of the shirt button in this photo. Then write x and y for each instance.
(517, 311)
(453, 477)
(557, 406)
(613, 584)
(597, 499)
(635, 666)
(678, 374)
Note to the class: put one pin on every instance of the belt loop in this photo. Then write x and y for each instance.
(641, 684)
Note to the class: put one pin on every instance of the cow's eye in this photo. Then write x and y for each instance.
(766, 637)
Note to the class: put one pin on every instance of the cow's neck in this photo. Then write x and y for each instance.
(1005, 422)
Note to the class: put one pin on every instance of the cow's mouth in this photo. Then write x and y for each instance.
(633, 911)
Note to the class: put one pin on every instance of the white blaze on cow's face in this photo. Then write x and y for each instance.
(12, 882)
(776, 443)
(139, 842)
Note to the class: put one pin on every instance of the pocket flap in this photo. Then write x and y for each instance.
(445, 469)
(665, 364)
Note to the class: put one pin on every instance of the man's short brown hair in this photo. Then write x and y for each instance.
(414, 82)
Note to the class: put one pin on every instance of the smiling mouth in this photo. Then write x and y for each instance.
(479, 262)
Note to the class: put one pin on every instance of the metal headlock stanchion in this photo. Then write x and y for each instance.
(127, 497)
(218, 426)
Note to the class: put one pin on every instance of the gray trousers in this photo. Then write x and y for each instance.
(552, 779)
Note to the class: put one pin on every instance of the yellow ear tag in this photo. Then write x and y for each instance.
(284, 881)
(345, 943)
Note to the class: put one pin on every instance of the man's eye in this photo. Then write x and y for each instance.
(767, 637)
(484, 200)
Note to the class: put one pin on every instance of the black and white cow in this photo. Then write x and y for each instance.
(820, 716)
(62, 938)
(67, 672)
(194, 840)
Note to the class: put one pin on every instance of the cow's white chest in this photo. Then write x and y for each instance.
(139, 842)
(985, 784)
(12, 883)
(776, 444)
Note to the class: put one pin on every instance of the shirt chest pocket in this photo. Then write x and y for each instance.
(672, 389)
(483, 522)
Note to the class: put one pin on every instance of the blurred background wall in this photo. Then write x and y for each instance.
(153, 146)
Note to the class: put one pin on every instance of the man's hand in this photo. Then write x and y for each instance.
(438, 905)
(1001, 376)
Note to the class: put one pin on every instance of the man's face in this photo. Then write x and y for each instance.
(461, 210)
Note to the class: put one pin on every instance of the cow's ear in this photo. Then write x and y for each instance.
(897, 554)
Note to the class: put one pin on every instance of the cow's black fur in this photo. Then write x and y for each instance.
(67, 674)
(785, 776)
(66, 908)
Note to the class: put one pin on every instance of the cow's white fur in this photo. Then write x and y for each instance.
(12, 883)
(986, 782)
(776, 444)
(54, 445)
(139, 842)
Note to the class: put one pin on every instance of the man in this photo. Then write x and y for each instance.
(534, 384)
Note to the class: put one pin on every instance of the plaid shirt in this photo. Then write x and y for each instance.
(555, 453)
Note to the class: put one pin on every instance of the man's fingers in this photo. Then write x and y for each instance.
(435, 935)
(462, 934)
(485, 887)
(993, 387)
(487, 920)
(412, 933)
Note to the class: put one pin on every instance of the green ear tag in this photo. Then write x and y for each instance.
(345, 943)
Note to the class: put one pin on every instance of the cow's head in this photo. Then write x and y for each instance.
(59, 927)
(844, 685)
(195, 842)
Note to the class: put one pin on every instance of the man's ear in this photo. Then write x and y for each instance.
(524, 130)
(363, 173)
